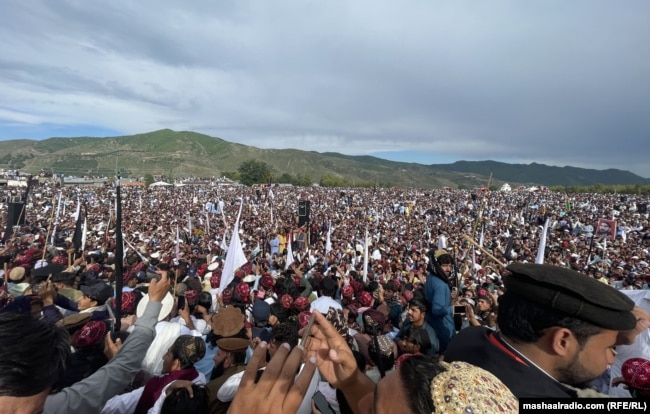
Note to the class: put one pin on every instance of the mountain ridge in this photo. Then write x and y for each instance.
(186, 153)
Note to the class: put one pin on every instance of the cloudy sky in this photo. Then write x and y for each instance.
(554, 82)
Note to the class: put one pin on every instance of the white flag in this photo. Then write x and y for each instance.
(442, 242)
(271, 195)
(76, 215)
(178, 244)
(289, 253)
(235, 258)
(108, 226)
(542, 244)
(365, 258)
(328, 242)
(83, 235)
(473, 261)
(481, 239)
(56, 219)
(224, 243)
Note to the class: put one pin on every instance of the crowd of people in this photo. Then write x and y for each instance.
(380, 298)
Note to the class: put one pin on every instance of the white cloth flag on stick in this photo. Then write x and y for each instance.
(365, 258)
(473, 260)
(76, 215)
(144, 259)
(56, 219)
(235, 258)
(108, 226)
(289, 253)
(83, 235)
(224, 243)
(542, 244)
(328, 242)
(442, 242)
(178, 245)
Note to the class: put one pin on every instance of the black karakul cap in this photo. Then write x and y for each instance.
(573, 293)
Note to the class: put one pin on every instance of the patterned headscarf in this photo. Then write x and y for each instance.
(469, 389)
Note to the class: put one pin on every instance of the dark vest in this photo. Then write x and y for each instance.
(216, 406)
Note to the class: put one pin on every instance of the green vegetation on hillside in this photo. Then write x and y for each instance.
(183, 154)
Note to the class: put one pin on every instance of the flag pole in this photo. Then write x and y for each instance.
(365, 257)
(49, 228)
(481, 248)
(482, 206)
(119, 256)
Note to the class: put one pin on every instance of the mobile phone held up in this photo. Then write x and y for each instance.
(181, 302)
(459, 309)
(152, 275)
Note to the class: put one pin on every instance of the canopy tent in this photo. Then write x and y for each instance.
(159, 184)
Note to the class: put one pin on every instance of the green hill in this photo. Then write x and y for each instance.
(182, 154)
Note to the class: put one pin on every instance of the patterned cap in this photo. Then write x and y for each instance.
(347, 291)
(215, 280)
(286, 301)
(267, 282)
(128, 302)
(243, 291)
(303, 319)
(226, 295)
(365, 298)
(90, 334)
(636, 374)
(469, 389)
(188, 349)
(192, 297)
(62, 260)
(301, 304)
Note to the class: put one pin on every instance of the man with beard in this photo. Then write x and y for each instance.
(437, 292)
(558, 331)
(229, 360)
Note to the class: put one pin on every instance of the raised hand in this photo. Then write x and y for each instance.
(278, 390)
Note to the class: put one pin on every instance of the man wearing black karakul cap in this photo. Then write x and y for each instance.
(558, 330)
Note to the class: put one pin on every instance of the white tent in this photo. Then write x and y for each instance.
(159, 184)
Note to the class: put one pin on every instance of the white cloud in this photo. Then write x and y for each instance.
(507, 80)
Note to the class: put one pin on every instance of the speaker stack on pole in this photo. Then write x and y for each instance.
(303, 212)
(15, 217)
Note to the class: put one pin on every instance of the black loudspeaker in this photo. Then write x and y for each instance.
(15, 217)
(303, 211)
(16, 214)
(641, 208)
